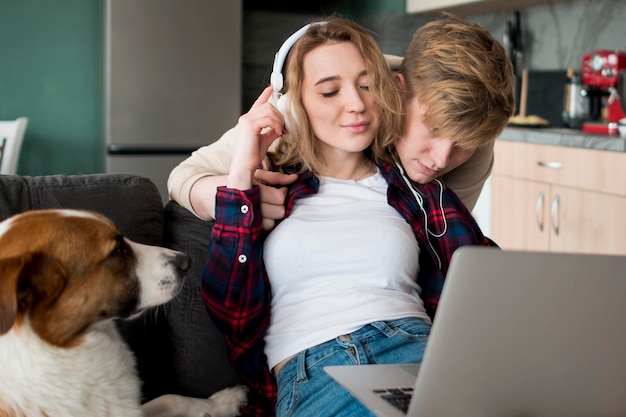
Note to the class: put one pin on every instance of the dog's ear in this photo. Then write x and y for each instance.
(25, 280)
(10, 271)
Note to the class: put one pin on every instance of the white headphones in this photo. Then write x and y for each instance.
(283, 101)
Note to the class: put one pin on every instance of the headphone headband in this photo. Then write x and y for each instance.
(276, 78)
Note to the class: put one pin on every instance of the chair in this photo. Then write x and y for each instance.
(11, 138)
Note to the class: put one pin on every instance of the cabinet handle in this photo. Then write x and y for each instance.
(539, 210)
(554, 214)
(551, 165)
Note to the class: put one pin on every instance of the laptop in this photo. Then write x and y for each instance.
(516, 334)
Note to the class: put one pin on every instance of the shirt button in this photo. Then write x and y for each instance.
(244, 209)
(242, 258)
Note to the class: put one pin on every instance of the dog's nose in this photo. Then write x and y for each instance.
(182, 261)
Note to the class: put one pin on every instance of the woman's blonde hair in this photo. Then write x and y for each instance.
(299, 147)
(463, 76)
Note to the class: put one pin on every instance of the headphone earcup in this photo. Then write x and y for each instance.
(281, 101)
(285, 107)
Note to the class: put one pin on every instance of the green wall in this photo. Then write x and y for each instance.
(51, 71)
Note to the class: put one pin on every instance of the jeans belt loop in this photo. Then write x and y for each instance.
(301, 366)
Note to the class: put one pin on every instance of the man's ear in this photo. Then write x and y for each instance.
(400, 80)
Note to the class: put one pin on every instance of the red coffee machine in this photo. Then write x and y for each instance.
(600, 72)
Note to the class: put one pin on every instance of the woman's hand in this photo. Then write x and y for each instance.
(258, 129)
(272, 196)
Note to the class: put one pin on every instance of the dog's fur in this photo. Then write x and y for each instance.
(64, 275)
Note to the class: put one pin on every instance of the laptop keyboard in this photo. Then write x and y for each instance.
(398, 397)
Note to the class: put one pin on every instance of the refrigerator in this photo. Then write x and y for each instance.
(172, 81)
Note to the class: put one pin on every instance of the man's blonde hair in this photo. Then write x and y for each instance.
(464, 77)
(300, 147)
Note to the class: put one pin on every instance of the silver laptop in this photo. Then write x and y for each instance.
(516, 334)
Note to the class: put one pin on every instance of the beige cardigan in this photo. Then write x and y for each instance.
(214, 159)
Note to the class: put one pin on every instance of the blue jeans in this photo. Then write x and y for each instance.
(304, 389)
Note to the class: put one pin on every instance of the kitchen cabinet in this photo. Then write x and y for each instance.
(560, 199)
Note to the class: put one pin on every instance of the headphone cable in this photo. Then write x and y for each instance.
(420, 202)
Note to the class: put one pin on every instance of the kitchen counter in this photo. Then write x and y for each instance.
(564, 137)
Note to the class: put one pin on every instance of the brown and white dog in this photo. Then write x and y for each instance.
(64, 275)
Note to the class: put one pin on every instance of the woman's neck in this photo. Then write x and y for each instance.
(350, 169)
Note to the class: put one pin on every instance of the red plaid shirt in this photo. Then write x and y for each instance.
(236, 290)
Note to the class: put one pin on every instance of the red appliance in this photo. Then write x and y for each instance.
(600, 72)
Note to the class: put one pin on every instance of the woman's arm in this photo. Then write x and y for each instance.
(236, 292)
(234, 287)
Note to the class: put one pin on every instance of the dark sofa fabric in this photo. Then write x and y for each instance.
(132, 202)
(200, 371)
(177, 348)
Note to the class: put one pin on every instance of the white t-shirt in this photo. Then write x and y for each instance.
(342, 259)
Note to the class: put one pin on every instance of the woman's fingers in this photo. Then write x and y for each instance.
(264, 119)
(264, 97)
(275, 178)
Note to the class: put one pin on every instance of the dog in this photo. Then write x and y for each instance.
(64, 276)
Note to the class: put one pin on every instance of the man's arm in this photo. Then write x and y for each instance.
(210, 163)
(193, 182)
(202, 195)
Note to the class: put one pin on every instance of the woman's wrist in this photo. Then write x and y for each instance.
(240, 179)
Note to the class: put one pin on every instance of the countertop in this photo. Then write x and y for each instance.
(564, 137)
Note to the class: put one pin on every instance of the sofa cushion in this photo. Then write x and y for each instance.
(131, 201)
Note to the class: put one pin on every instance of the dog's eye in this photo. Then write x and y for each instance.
(121, 247)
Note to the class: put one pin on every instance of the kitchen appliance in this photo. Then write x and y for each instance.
(621, 89)
(580, 103)
(172, 81)
(600, 73)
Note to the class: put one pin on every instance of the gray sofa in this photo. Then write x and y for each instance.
(178, 349)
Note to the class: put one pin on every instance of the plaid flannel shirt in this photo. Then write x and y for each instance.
(235, 286)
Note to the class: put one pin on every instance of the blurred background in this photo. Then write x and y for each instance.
(54, 62)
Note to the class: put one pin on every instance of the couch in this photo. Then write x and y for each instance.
(177, 347)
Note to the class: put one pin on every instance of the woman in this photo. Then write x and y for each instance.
(343, 264)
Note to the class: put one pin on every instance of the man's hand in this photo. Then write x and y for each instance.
(272, 198)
